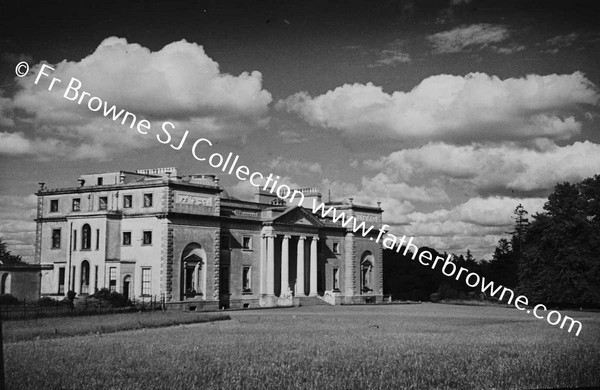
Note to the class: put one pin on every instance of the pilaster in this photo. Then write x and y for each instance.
(217, 263)
(166, 264)
(350, 264)
(38, 230)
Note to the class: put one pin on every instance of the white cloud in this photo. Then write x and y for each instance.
(555, 44)
(476, 224)
(446, 107)
(493, 212)
(14, 144)
(244, 190)
(510, 49)
(463, 38)
(295, 167)
(397, 198)
(179, 83)
(392, 57)
(495, 169)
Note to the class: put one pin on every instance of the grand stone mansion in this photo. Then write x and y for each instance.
(155, 233)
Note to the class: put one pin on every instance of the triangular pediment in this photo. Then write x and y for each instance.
(297, 216)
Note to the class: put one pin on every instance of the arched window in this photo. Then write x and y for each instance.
(5, 288)
(193, 260)
(85, 277)
(86, 237)
(126, 286)
(366, 272)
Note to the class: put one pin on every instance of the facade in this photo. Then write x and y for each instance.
(153, 233)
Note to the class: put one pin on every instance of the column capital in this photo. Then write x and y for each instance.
(302, 238)
(315, 238)
(287, 237)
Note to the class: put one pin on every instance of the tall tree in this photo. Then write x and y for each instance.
(503, 268)
(8, 258)
(560, 260)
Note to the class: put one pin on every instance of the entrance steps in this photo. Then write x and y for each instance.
(312, 301)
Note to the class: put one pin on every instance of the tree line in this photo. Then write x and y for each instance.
(552, 257)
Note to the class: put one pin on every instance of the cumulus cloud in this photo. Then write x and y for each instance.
(179, 83)
(14, 144)
(396, 198)
(495, 169)
(465, 38)
(476, 224)
(446, 107)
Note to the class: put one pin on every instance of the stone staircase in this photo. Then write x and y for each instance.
(312, 301)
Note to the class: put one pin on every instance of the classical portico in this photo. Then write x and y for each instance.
(289, 264)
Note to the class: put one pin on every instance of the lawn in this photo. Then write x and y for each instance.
(45, 328)
(361, 347)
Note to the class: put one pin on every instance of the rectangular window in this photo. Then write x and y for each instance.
(100, 181)
(55, 238)
(73, 269)
(246, 279)
(77, 204)
(102, 203)
(247, 242)
(96, 279)
(74, 240)
(112, 280)
(127, 201)
(147, 200)
(61, 280)
(126, 238)
(97, 239)
(336, 279)
(336, 247)
(146, 281)
(54, 205)
(225, 242)
(147, 240)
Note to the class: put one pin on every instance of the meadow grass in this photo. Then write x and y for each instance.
(362, 347)
(45, 328)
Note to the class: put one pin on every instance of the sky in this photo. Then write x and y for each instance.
(450, 113)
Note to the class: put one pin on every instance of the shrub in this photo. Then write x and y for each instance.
(448, 292)
(434, 297)
(113, 298)
(8, 299)
(47, 301)
(474, 296)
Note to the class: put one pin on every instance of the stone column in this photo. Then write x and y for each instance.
(313, 266)
(300, 268)
(270, 265)
(263, 264)
(285, 258)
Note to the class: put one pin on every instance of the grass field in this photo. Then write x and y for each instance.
(361, 347)
(45, 328)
